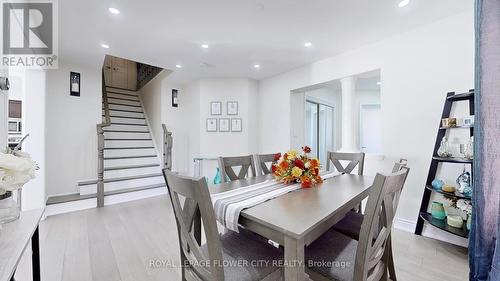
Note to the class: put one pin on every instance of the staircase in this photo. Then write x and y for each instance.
(130, 159)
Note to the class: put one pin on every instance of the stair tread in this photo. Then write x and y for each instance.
(124, 89)
(90, 182)
(125, 131)
(121, 104)
(128, 124)
(127, 117)
(124, 110)
(117, 98)
(125, 94)
(131, 167)
(76, 196)
(128, 157)
(134, 147)
(112, 139)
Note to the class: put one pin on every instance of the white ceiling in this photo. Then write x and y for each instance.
(240, 33)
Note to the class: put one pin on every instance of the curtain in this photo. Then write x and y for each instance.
(484, 248)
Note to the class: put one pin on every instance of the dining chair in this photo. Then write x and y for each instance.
(262, 162)
(209, 261)
(355, 159)
(335, 256)
(350, 225)
(226, 165)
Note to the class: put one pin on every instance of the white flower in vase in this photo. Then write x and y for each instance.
(15, 170)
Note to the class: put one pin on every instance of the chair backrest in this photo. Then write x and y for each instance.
(372, 254)
(399, 165)
(262, 161)
(356, 159)
(246, 163)
(197, 208)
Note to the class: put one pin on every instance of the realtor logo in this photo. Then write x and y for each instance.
(28, 34)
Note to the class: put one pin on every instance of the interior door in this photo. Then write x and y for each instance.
(370, 128)
(320, 133)
(119, 75)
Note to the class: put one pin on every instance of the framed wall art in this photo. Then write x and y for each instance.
(215, 108)
(211, 124)
(236, 125)
(224, 125)
(232, 108)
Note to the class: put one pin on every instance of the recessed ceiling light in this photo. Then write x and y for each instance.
(403, 3)
(178, 66)
(114, 11)
(256, 66)
(204, 46)
(379, 83)
(308, 44)
(105, 46)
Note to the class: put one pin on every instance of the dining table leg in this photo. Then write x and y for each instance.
(294, 259)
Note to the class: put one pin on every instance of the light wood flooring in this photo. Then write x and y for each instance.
(119, 242)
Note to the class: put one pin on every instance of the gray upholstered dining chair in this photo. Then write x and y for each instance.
(355, 159)
(246, 164)
(209, 261)
(350, 225)
(262, 163)
(335, 256)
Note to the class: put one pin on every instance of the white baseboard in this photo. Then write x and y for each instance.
(405, 225)
(91, 203)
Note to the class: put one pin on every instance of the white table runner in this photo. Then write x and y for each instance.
(228, 205)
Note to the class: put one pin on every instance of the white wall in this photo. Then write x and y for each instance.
(4, 113)
(71, 138)
(417, 68)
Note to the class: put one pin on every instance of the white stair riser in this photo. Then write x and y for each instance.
(120, 96)
(128, 120)
(124, 113)
(129, 152)
(131, 92)
(130, 128)
(124, 102)
(125, 107)
(117, 185)
(127, 143)
(130, 161)
(126, 135)
(131, 172)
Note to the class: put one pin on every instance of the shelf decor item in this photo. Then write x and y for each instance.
(444, 148)
(293, 167)
(448, 188)
(464, 183)
(455, 221)
(449, 122)
(469, 221)
(437, 184)
(437, 211)
(469, 149)
(468, 121)
(16, 169)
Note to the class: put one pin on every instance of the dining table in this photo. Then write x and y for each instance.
(296, 219)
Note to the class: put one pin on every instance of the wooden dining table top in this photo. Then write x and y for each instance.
(299, 212)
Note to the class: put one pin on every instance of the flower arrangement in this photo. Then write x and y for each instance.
(465, 206)
(16, 169)
(293, 167)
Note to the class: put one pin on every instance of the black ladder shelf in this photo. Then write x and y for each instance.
(424, 216)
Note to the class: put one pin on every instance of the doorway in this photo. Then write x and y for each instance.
(370, 128)
(320, 129)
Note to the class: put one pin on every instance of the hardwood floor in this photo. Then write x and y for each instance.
(120, 242)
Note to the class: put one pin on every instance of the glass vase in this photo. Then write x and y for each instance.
(10, 206)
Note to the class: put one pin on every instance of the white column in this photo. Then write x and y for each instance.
(348, 115)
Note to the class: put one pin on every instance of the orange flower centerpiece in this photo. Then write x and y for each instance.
(293, 167)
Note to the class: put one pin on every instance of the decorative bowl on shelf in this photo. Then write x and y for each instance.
(455, 221)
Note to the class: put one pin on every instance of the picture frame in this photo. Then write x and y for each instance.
(232, 108)
(174, 98)
(211, 124)
(215, 108)
(74, 84)
(224, 125)
(236, 125)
